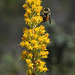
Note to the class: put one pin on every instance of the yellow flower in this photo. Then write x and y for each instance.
(35, 36)
(23, 39)
(28, 1)
(40, 68)
(42, 63)
(25, 30)
(42, 53)
(42, 32)
(34, 19)
(30, 30)
(27, 20)
(24, 52)
(46, 40)
(26, 15)
(38, 2)
(25, 6)
(45, 56)
(28, 61)
(45, 69)
(30, 47)
(26, 44)
(38, 10)
(30, 65)
(46, 52)
(41, 19)
(46, 35)
(36, 47)
(42, 27)
(31, 35)
(37, 29)
(22, 57)
(28, 10)
(22, 43)
(38, 60)
(40, 7)
(39, 46)
(43, 47)
(29, 71)
(25, 35)
(40, 39)
(30, 55)
(33, 6)
(33, 42)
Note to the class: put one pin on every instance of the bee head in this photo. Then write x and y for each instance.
(46, 9)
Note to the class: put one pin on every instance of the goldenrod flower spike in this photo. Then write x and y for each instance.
(35, 39)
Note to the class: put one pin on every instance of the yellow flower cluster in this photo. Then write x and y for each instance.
(35, 39)
(32, 14)
(41, 65)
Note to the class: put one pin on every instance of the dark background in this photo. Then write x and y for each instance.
(61, 60)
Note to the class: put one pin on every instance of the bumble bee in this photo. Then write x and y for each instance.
(46, 15)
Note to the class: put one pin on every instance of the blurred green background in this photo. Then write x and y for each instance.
(61, 60)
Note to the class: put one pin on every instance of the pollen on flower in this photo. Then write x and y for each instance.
(25, 30)
(34, 19)
(46, 52)
(38, 61)
(38, 10)
(28, 10)
(25, 35)
(30, 55)
(24, 52)
(35, 36)
(36, 47)
(28, 1)
(33, 42)
(42, 63)
(29, 72)
(26, 15)
(27, 20)
(33, 6)
(25, 6)
(22, 44)
(26, 44)
(30, 47)
(42, 32)
(40, 68)
(42, 53)
(22, 57)
(28, 61)
(45, 69)
(48, 41)
(30, 65)
(40, 39)
(46, 35)
(42, 27)
(38, 2)
(43, 46)
(45, 56)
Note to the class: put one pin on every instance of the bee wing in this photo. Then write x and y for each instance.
(49, 19)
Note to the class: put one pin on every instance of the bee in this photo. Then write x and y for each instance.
(46, 13)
